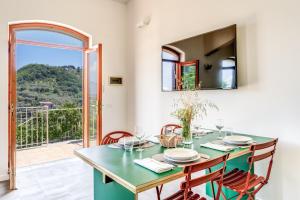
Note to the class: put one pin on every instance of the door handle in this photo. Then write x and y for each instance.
(12, 109)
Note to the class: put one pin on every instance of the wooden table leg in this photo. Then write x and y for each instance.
(110, 190)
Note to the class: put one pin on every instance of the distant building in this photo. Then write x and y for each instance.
(49, 104)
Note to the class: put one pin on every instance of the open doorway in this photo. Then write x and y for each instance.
(49, 96)
(53, 95)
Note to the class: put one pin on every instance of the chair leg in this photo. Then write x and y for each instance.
(257, 189)
(223, 195)
(212, 185)
(219, 192)
(160, 189)
(251, 196)
(240, 196)
(157, 193)
(213, 189)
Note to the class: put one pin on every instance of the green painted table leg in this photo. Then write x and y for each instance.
(110, 191)
(241, 163)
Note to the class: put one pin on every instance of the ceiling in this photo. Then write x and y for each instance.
(122, 1)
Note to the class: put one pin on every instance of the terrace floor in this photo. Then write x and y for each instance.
(47, 153)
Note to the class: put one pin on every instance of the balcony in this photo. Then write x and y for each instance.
(45, 134)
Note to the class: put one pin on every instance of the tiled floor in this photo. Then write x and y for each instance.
(65, 179)
(68, 179)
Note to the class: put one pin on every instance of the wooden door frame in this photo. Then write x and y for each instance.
(99, 95)
(98, 49)
(180, 66)
(86, 39)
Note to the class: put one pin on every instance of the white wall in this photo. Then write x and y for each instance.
(267, 101)
(105, 20)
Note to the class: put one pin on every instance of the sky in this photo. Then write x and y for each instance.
(26, 54)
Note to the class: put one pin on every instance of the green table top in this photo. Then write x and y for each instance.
(119, 165)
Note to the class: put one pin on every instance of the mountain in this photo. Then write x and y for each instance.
(44, 83)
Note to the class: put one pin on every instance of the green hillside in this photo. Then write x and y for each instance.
(58, 84)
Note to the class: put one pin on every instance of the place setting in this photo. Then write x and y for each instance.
(175, 154)
(198, 131)
(138, 142)
(181, 156)
(131, 143)
(238, 140)
(171, 158)
(228, 141)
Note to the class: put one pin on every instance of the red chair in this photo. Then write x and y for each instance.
(169, 126)
(186, 193)
(173, 127)
(114, 137)
(245, 183)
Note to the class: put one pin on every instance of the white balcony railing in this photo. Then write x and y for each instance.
(37, 126)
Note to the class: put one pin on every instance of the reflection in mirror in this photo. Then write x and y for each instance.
(170, 59)
(206, 61)
(188, 75)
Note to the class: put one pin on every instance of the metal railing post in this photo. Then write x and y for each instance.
(47, 125)
(31, 128)
(26, 127)
(42, 123)
(21, 130)
(37, 127)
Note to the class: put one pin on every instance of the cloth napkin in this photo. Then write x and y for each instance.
(219, 147)
(201, 132)
(153, 139)
(115, 146)
(154, 165)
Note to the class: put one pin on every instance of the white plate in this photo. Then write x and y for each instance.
(237, 139)
(183, 161)
(180, 154)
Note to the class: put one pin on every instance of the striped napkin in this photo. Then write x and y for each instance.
(154, 165)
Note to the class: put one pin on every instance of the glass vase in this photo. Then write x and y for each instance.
(186, 133)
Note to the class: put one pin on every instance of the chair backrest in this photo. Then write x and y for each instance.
(211, 176)
(268, 149)
(114, 137)
(169, 126)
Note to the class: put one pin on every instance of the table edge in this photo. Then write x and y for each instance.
(151, 184)
(116, 178)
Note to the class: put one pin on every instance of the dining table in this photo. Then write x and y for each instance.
(117, 176)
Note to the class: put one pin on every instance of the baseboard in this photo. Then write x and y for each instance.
(4, 176)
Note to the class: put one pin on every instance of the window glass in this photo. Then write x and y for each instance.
(228, 70)
(189, 77)
(227, 78)
(169, 76)
(46, 36)
(28, 54)
(166, 55)
(169, 60)
(227, 63)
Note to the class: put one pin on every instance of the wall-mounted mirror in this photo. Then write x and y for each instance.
(206, 61)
